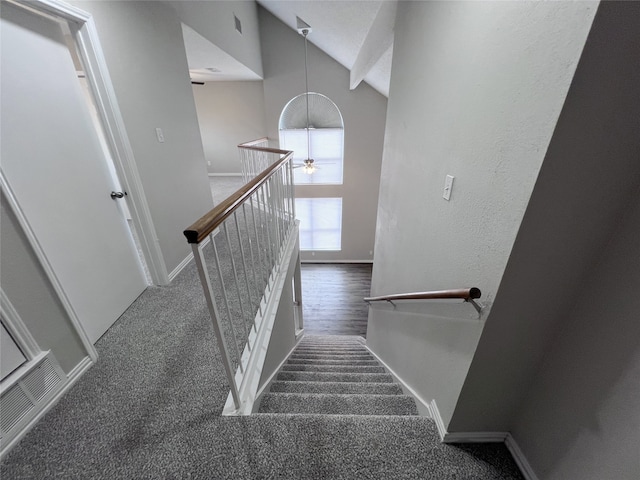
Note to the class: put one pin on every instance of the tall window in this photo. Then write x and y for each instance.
(321, 139)
(311, 125)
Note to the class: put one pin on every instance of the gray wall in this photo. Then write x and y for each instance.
(559, 360)
(363, 110)
(144, 49)
(581, 416)
(590, 172)
(26, 285)
(229, 113)
(476, 90)
(283, 336)
(214, 21)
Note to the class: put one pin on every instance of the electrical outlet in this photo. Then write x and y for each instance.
(448, 186)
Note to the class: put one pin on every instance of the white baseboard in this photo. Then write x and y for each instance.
(267, 384)
(334, 261)
(519, 458)
(423, 405)
(435, 414)
(73, 376)
(176, 271)
(225, 174)
(484, 437)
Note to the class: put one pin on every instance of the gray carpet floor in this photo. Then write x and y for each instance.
(150, 409)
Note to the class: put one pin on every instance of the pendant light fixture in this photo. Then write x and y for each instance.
(304, 29)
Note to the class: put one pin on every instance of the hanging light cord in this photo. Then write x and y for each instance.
(306, 87)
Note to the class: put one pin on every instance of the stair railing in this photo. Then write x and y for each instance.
(247, 234)
(466, 294)
(253, 158)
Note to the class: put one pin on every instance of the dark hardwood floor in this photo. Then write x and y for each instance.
(332, 298)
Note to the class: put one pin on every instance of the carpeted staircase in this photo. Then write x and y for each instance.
(335, 375)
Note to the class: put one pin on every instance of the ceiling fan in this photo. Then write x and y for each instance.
(307, 165)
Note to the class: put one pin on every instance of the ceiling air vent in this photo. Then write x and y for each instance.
(238, 24)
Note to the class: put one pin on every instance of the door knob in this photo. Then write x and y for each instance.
(115, 195)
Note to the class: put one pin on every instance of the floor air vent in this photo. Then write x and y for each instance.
(21, 401)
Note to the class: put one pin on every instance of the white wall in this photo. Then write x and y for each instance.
(363, 111)
(26, 285)
(581, 416)
(214, 20)
(476, 90)
(589, 176)
(229, 113)
(144, 49)
(559, 361)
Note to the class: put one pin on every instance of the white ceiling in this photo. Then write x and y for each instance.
(207, 62)
(356, 33)
(340, 28)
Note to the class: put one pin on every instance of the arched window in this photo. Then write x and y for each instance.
(321, 139)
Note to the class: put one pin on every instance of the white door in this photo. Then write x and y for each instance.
(11, 357)
(53, 162)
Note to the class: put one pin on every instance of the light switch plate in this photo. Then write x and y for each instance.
(448, 186)
(160, 135)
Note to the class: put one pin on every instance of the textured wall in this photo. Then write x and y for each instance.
(363, 111)
(476, 90)
(215, 22)
(144, 50)
(229, 113)
(31, 294)
(569, 386)
(590, 172)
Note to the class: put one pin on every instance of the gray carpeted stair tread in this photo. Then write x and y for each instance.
(336, 387)
(352, 351)
(329, 377)
(323, 361)
(333, 368)
(334, 403)
(333, 357)
(335, 377)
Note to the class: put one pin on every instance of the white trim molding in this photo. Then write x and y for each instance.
(181, 266)
(16, 327)
(71, 378)
(225, 174)
(519, 458)
(311, 260)
(46, 266)
(423, 405)
(85, 34)
(484, 437)
(267, 385)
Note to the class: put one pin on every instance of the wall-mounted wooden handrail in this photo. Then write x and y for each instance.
(253, 143)
(211, 220)
(466, 294)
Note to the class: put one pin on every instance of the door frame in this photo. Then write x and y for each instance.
(48, 270)
(85, 34)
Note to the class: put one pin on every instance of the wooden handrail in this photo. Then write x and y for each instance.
(253, 142)
(465, 294)
(211, 220)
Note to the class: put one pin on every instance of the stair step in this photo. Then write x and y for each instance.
(315, 361)
(332, 350)
(335, 377)
(331, 357)
(333, 368)
(353, 404)
(336, 387)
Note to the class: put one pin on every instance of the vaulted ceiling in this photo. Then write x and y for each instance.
(357, 34)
